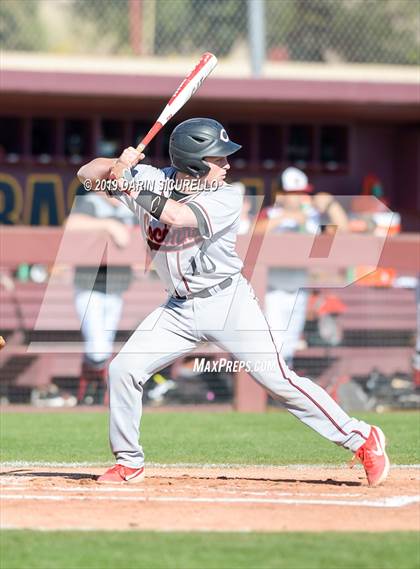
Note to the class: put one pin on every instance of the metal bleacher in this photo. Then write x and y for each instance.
(378, 327)
(35, 353)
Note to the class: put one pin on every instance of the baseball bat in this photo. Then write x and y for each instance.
(184, 92)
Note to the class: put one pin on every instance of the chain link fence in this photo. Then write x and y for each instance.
(330, 31)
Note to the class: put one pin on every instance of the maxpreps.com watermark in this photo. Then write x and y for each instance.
(203, 365)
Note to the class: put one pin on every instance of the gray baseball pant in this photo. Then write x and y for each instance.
(233, 319)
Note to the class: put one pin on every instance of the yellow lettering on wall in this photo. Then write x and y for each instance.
(44, 203)
(11, 200)
(74, 185)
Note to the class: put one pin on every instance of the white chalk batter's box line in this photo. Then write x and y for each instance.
(11, 486)
(163, 529)
(393, 502)
(26, 464)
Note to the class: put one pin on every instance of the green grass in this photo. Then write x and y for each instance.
(271, 438)
(126, 550)
(268, 438)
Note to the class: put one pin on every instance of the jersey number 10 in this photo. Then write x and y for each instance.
(204, 264)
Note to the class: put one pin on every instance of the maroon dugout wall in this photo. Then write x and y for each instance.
(338, 131)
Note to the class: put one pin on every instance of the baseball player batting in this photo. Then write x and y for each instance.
(191, 232)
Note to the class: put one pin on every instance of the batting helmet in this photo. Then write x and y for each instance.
(193, 140)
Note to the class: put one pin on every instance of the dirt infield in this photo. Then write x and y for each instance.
(211, 498)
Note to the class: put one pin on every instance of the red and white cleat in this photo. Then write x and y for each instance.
(122, 474)
(373, 457)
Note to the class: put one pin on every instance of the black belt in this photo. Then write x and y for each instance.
(205, 293)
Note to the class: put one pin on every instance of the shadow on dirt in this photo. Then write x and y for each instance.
(326, 482)
(23, 473)
(322, 482)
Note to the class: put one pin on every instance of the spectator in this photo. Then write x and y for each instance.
(370, 215)
(295, 209)
(98, 292)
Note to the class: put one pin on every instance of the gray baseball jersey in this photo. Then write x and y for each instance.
(189, 259)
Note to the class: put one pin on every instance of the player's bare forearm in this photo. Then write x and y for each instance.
(177, 214)
(83, 222)
(338, 216)
(118, 232)
(97, 169)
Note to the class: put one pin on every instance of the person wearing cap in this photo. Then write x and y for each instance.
(295, 209)
(98, 295)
